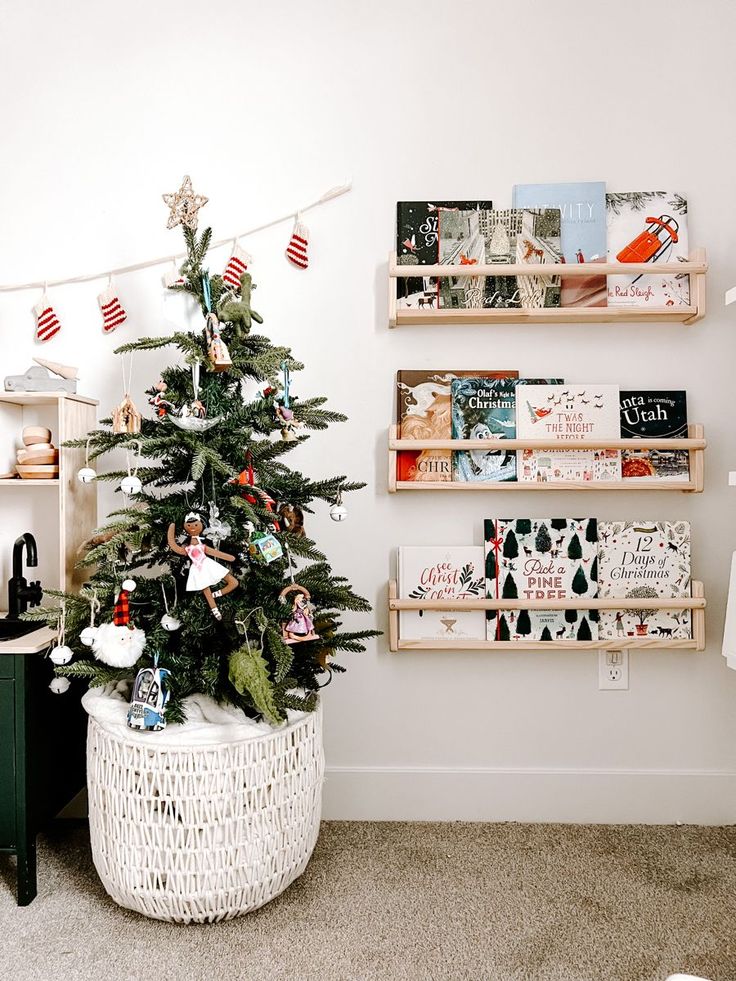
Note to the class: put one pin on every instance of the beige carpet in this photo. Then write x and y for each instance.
(483, 902)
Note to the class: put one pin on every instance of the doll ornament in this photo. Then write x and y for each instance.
(204, 572)
(300, 625)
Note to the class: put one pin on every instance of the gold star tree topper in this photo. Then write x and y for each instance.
(184, 205)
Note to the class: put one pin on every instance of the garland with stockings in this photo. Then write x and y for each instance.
(184, 206)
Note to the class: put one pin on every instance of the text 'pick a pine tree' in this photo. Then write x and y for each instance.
(232, 645)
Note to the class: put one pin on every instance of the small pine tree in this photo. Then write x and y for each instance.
(546, 635)
(579, 582)
(503, 629)
(240, 657)
(509, 590)
(559, 524)
(594, 570)
(524, 624)
(594, 616)
(591, 531)
(584, 630)
(523, 526)
(491, 565)
(571, 616)
(543, 543)
(574, 549)
(510, 546)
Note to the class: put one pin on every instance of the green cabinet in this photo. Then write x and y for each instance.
(42, 757)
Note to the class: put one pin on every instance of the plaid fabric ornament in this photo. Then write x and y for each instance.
(111, 309)
(236, 266)
(296, 250)
(121, 613)
(47, 323)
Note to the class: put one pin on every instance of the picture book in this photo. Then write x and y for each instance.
(641, 560)
(564, 412)
(483, 408)
(441, 572)
(651, 227)
(582, 209)
(660, 415)
(417, 244)
(514, 236)
(424, 412)
(541, 559)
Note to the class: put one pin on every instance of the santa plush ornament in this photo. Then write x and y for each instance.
(119, 644)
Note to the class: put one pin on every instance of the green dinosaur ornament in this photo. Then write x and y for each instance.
(239, 312)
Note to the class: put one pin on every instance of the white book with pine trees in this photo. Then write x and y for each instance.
(537, 559)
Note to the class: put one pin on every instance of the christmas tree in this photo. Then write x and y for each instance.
(206, 568)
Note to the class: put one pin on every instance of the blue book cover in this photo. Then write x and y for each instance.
(483, 408)
(583, 232)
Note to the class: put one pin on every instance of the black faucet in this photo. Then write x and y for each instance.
(21, 594)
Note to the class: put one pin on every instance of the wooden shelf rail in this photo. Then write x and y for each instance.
(695, 444)
(696, 267)
(696, 603)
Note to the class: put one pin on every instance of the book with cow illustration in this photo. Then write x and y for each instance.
(648, 227)
(512, 236)
(538, 559)
(565, 412)
(417, 244)
(424, 411)
(483, 408)
(582, 209)
(658, 415)
(640, 560)
(441, 572)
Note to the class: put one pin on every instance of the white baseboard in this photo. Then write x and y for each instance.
(533, 795)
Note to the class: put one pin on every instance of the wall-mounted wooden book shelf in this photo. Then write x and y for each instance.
(696, 267)
(696, 602)
(695, 444)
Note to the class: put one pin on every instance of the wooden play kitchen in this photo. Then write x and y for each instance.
(42, 734)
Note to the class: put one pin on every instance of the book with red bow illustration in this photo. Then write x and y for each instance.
(538, 559)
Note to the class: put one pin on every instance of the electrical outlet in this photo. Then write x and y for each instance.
(613, 670)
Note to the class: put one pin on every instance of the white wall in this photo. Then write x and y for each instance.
(267, 105)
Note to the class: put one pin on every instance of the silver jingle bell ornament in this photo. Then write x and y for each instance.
(170, 623)
(87, 636)
(131, 485)
(61, 654)
(60, 685)
(86, 475)
(338, 512)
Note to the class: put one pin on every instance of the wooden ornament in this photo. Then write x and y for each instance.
(217, 351)
(125, 417)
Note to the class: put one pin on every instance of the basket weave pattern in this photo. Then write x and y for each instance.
(195, 834)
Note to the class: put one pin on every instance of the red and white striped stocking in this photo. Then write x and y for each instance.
(296, 250)
(111, 309)
(47, 323)
(236, 266)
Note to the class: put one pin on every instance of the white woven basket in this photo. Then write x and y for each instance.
(196, 834)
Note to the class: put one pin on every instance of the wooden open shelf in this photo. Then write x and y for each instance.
(696, 268)
(695, 444)
(696, 602)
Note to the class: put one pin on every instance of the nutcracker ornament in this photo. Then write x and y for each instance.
(204, 572)
(284, 413)
(300, 625)
(217, 351)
